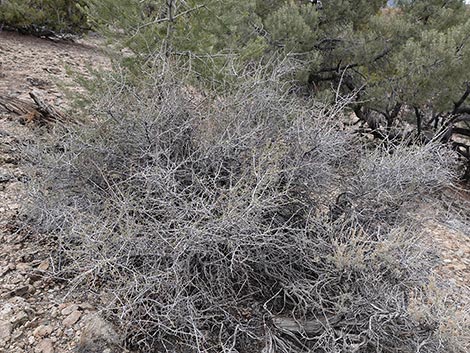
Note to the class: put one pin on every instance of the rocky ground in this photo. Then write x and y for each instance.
(37, 312)
(41, 314)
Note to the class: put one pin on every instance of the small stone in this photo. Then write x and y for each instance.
(98, 333)
(4, 270)
(35, 276)
(16, 334)
(86, 306)
(5, 330)
(45, 346)
(17, 279)
(44, 266)
(42, 331)
(4, 178)
(20, 292)
(54, 312)
(70, 320)
(19, 318)
(23, 266)
(69, 309)
(6, 310)
(31, 289)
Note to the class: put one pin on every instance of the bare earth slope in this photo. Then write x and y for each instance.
(38, 314)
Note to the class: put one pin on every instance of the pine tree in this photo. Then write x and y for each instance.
(398, 65)
(43, 17)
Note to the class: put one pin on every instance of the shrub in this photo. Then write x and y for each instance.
(242, 222)
(43, 17)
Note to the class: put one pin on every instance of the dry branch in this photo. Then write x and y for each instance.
(309, 327)
(39, 111)
(48, 112)
(16, 106)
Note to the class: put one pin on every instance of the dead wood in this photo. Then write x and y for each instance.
(309, 327)
(40, 111)
(16, 106)
(49, 113)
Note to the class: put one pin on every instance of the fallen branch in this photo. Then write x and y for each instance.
(16, 106)
(309, 327)
(39, 111)
(48, 112)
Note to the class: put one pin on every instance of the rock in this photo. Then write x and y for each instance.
(4, 178)
(54, 312)
(98, 335)
(5, 330)
(31, 289)
(6, 311)
(70, 320)
(20, 292)
(44, 266)
(62, 306)
(45, 346)
(16, 334)
(19, 318)
(68, 309)
(4, 270)
(16, 279)
(42, 331)
(22, 266)
(86, 306)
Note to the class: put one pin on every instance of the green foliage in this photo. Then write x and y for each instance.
(427, 54)
(41, 16)
(403, 56)
(396, 64)
(293, 27)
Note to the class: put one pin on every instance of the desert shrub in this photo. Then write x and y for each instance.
(242, 222)
(43, 17)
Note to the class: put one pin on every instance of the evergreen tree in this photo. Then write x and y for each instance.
(406, 64)
(42, 17)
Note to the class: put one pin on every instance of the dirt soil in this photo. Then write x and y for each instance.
(40, 314)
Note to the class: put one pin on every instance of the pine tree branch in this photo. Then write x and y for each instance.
(171, 18)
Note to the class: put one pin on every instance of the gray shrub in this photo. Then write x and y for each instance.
(244, 222)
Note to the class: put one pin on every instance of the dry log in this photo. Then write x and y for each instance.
(39, 111)
(16, 106)
(351, 342)
(47, 111)
(309, 327)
